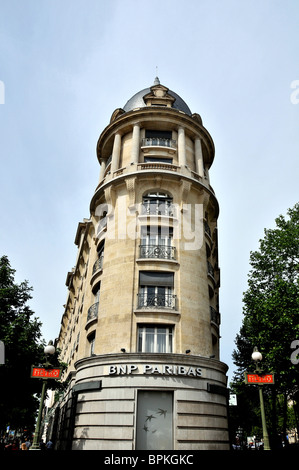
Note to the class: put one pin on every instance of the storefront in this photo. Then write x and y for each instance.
(147, 402)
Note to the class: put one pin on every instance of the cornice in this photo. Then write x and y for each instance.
(125, 121)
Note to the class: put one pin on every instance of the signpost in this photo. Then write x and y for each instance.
(45, 373)
(259, 379)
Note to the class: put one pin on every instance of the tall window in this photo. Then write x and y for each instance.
(96, 293)
(99, 262)
(157, 203)
(155, 339)
(154, 420)
(161, 138)
(156, 290)
(91, 340)
(156, 242)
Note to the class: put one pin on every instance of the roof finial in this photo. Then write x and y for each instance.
(157, 81)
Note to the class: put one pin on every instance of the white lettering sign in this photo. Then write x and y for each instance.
(149, 369)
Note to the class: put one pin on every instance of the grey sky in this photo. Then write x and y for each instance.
(67, 64)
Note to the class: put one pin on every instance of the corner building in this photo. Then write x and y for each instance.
(140, 330)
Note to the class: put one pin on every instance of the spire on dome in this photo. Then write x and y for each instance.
(157, 81)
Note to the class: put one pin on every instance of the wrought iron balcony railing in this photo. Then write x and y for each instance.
(157, 252)
(207, 228)
(215, 316)
(211, 271)
(158, 142)
(157, 301)
(92, 313)
(98, 265)
(158, 209)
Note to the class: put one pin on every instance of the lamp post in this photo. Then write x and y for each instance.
(49, 350)
(257, 357)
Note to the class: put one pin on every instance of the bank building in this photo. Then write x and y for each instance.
(141, 325)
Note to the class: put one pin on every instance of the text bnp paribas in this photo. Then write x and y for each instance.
(161, 369)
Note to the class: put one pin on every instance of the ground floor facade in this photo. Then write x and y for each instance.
(134, 401)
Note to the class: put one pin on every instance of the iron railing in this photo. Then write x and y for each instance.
(158, 209)
(158, 142)
(98, 264)
(211, 271)
(215, 316)
(157, 251)
(92, 313)
(157, 301)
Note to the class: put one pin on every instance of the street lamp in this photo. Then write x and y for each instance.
(257, 357)
(49, 350)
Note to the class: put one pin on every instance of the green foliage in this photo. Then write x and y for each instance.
(271, 306)
(24, 347)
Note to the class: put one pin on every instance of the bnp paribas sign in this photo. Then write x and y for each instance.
(154, 369)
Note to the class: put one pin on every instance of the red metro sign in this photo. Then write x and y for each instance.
(259, 379)
(42, 373)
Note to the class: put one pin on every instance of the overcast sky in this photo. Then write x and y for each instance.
(66, 65)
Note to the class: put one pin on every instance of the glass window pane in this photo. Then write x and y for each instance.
(155, 339)
(149, 340)
(154, 430)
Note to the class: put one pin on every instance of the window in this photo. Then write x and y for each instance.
(96, 293)
(154, 420)
(159, 139)
(157, 203)
(155, 339)
(158, 160)
(99, 262)
(91, 340)
(156, 242)
(156, 290)
(155, 134)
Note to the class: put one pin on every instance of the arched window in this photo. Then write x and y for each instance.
(157, 203)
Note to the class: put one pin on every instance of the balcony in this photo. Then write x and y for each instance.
(161, 166)
(215, 316)
(157, 301)
(162, 208)
(98, 265)
(207, 229)
(157, 252)
(211, 271)
(102, 225)
(158, 142)
(92, 314)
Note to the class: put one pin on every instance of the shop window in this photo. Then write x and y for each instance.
(154, 428)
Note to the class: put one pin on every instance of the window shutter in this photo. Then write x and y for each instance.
(154, 278)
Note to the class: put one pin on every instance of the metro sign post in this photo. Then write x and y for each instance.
(267, 379)
(259, 378)
(45, 372)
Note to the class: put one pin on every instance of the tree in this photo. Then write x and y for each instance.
(271, 309)
(21, 335)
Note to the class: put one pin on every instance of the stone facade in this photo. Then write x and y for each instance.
(141, 321)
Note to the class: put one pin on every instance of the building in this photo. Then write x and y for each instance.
(140, 329)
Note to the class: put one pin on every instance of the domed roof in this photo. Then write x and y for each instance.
(137, 100)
